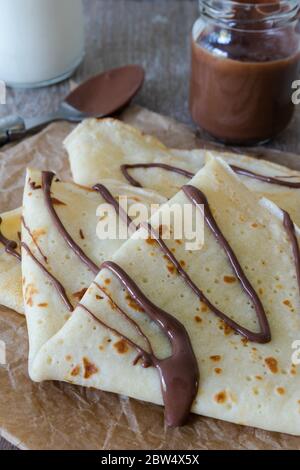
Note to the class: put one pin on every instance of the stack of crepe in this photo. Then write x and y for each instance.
(209, 330)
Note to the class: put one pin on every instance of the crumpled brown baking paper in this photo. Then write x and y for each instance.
(55, 415)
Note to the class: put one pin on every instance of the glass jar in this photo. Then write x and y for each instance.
(245, 57)
(41, 41)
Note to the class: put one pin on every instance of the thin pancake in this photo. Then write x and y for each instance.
(241, 381)
(10, 266)
(50, 258)
(98, 148)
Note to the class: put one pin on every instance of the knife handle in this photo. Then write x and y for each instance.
(11, 128)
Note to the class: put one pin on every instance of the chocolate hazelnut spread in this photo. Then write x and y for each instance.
(242, 75)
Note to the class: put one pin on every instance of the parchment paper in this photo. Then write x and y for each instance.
(55, 415)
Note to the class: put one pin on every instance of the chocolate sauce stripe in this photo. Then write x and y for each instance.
(198, 198)
(33, 240)
(179, 371)
(238, 170)
(110, 199)
(265, 334)
(58, 286)
(163, 166)
(147, 361)
(10, 246)
(291, 232)
(266, 179)
(47, 178)
(128, 318)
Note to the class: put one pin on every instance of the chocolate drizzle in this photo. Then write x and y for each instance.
(142, 354)
(122, 312)
(110, 199)
(179, 373)
(266, 179)
(290, 229)
(197, 197)
(47, 178)
(58, 286)
(134, 182)
(147, 362)
(33, 239)
(10, 246)
(238, 170)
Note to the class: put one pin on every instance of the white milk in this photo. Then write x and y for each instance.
(41, 41)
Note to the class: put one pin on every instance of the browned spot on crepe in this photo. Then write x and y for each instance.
(39, 232)
(57, 202)
(289, 304)
(68, 357)
(81, 234)
(216, 358)
(150, 241)
(218, 370)
(229, 279)
(220, 397)
(75, 371)
(89, 368)
(107, 281)
(30, 291)
(80, 294)
(272, 364)
(112, 304)
(227, 329)
(280, 390)
(44, 304)
(86, 188)
(171, 268)
(204, 308)
(121, 346)
(132, 303)
(198, 319)
(98, 297)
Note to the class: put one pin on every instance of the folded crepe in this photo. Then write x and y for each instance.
(276, 182)
(111, 149)
(10, 262)
(98, 148)
(237, 303)
(61, 252)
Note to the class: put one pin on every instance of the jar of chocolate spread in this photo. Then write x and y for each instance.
(245, 57)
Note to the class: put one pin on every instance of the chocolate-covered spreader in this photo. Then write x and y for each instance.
(245, 57)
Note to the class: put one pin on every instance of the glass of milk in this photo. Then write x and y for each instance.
(41, 41)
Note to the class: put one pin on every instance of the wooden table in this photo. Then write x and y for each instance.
(153, 33)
